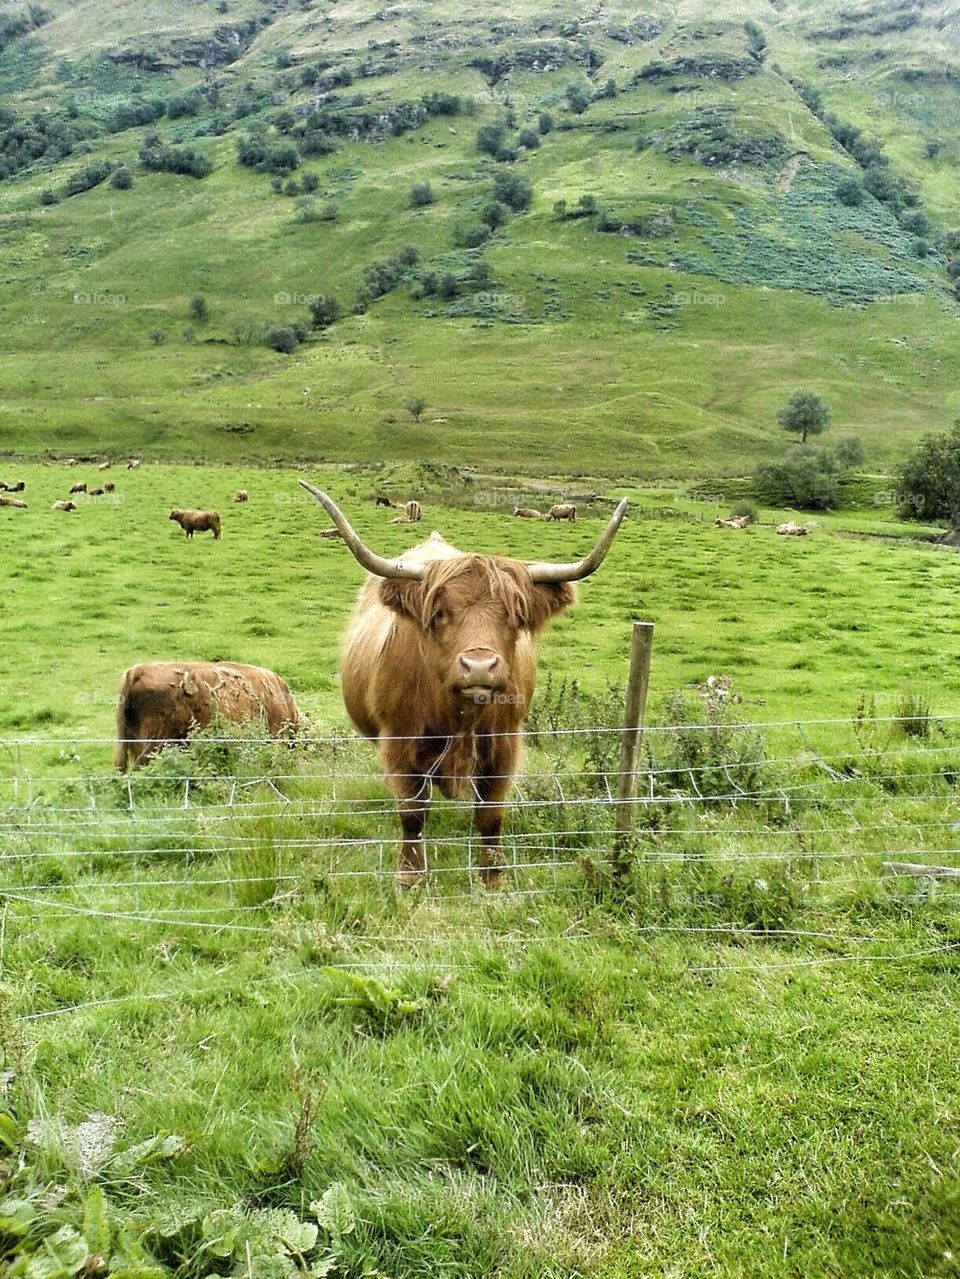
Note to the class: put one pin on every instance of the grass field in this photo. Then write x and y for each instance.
(232, 1049)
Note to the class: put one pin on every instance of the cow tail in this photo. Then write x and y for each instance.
(122, 750)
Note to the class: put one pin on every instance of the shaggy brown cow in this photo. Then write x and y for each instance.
(13, 501)
(198, 522)
(562, 511)
(79, 488)
(133, 463)
(790, 529)
(161, 703)
(64, 506)
(735, 522)
(104, 466)
(414, 512)
(527, 513)
(439, 667)
(241, 495)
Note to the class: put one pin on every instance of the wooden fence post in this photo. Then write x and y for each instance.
(641, 649)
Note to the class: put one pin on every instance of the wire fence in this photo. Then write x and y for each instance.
(768, 830)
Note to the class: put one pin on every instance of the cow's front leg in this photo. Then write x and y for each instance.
(488, 819)
(412, 862)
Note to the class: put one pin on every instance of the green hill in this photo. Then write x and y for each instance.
(608, 240)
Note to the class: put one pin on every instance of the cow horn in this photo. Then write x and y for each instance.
(372, 562)
(575, 572)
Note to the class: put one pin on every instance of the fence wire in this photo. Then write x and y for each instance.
(248, 842)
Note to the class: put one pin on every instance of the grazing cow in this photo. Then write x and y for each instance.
(527, 513)
(414, 512)
(70, 461)
(380, 500)
(162, 703)
(241, 495)
(64, 506)
(109, 487)
(198, 522)
(13, 488)
(133, 463)
(79, 488)
(104, 466)
(735, 521)
(792, 530)
(562, 511)
(95, 492)
(439, 667)
(13, 501)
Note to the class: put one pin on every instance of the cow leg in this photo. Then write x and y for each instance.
(412, 861)
(488, 819)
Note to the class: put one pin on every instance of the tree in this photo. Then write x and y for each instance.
(804, 414)
(850, 192)
(807, 477)
(929, 480)
(198, 306)
(415, 407)
(848, 450)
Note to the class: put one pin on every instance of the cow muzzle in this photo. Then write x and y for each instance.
(479, 675)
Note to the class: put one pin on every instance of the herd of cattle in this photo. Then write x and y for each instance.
(438, 668)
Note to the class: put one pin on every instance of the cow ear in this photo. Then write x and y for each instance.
(402, 596)
(547, 599)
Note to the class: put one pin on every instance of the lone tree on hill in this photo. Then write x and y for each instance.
(929, 480)
(804, 414)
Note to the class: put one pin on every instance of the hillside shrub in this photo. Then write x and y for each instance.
(514, 190)
(806, 478)
(136, 112)
(850, 192)
(183, 160)
(324, 311)
(281, 338)
(255, 151)
(122, 179)
(929, 481)
(421, 194)
(88, 177)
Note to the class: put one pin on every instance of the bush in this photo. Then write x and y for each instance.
(513, 190)
(494, 214)
(545, 122)
(324, 311)
(490, 138)
(848, 451)
(929, 480)
(183, 160)
(578, 99)
(528, 139)
(746, 510)
(49, 197)
(257, 152)
(806, 478)
(448, 286)
(421, 194)
(280, 338)
(89, 177)
(310, 183)
(121, 179)
(850, 192)
(471, 237)
(139, 111)
(198, 307)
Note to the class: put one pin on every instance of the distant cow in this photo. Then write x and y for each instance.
(735, 522)
(95, 492)
(380, 500)
(241, 495)
(109, 487)
(70, 461)
(133, 463)
(13, 488)
(162, 703)
(12, 501)
(562, 511)
(414, 512)
(79, 488)
(198, 522)
(792, 530)
(64, 506)
(527, 513)
(329, 532)
(104, 466)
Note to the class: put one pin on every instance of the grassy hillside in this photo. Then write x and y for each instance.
(653, 330)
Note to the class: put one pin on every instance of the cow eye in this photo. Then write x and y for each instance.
(439, 617)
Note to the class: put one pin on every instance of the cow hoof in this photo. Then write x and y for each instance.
(492, 876)
(410, 877)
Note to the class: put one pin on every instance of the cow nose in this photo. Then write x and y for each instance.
(476, 670)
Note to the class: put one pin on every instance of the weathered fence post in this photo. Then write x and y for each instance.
(641, 648)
